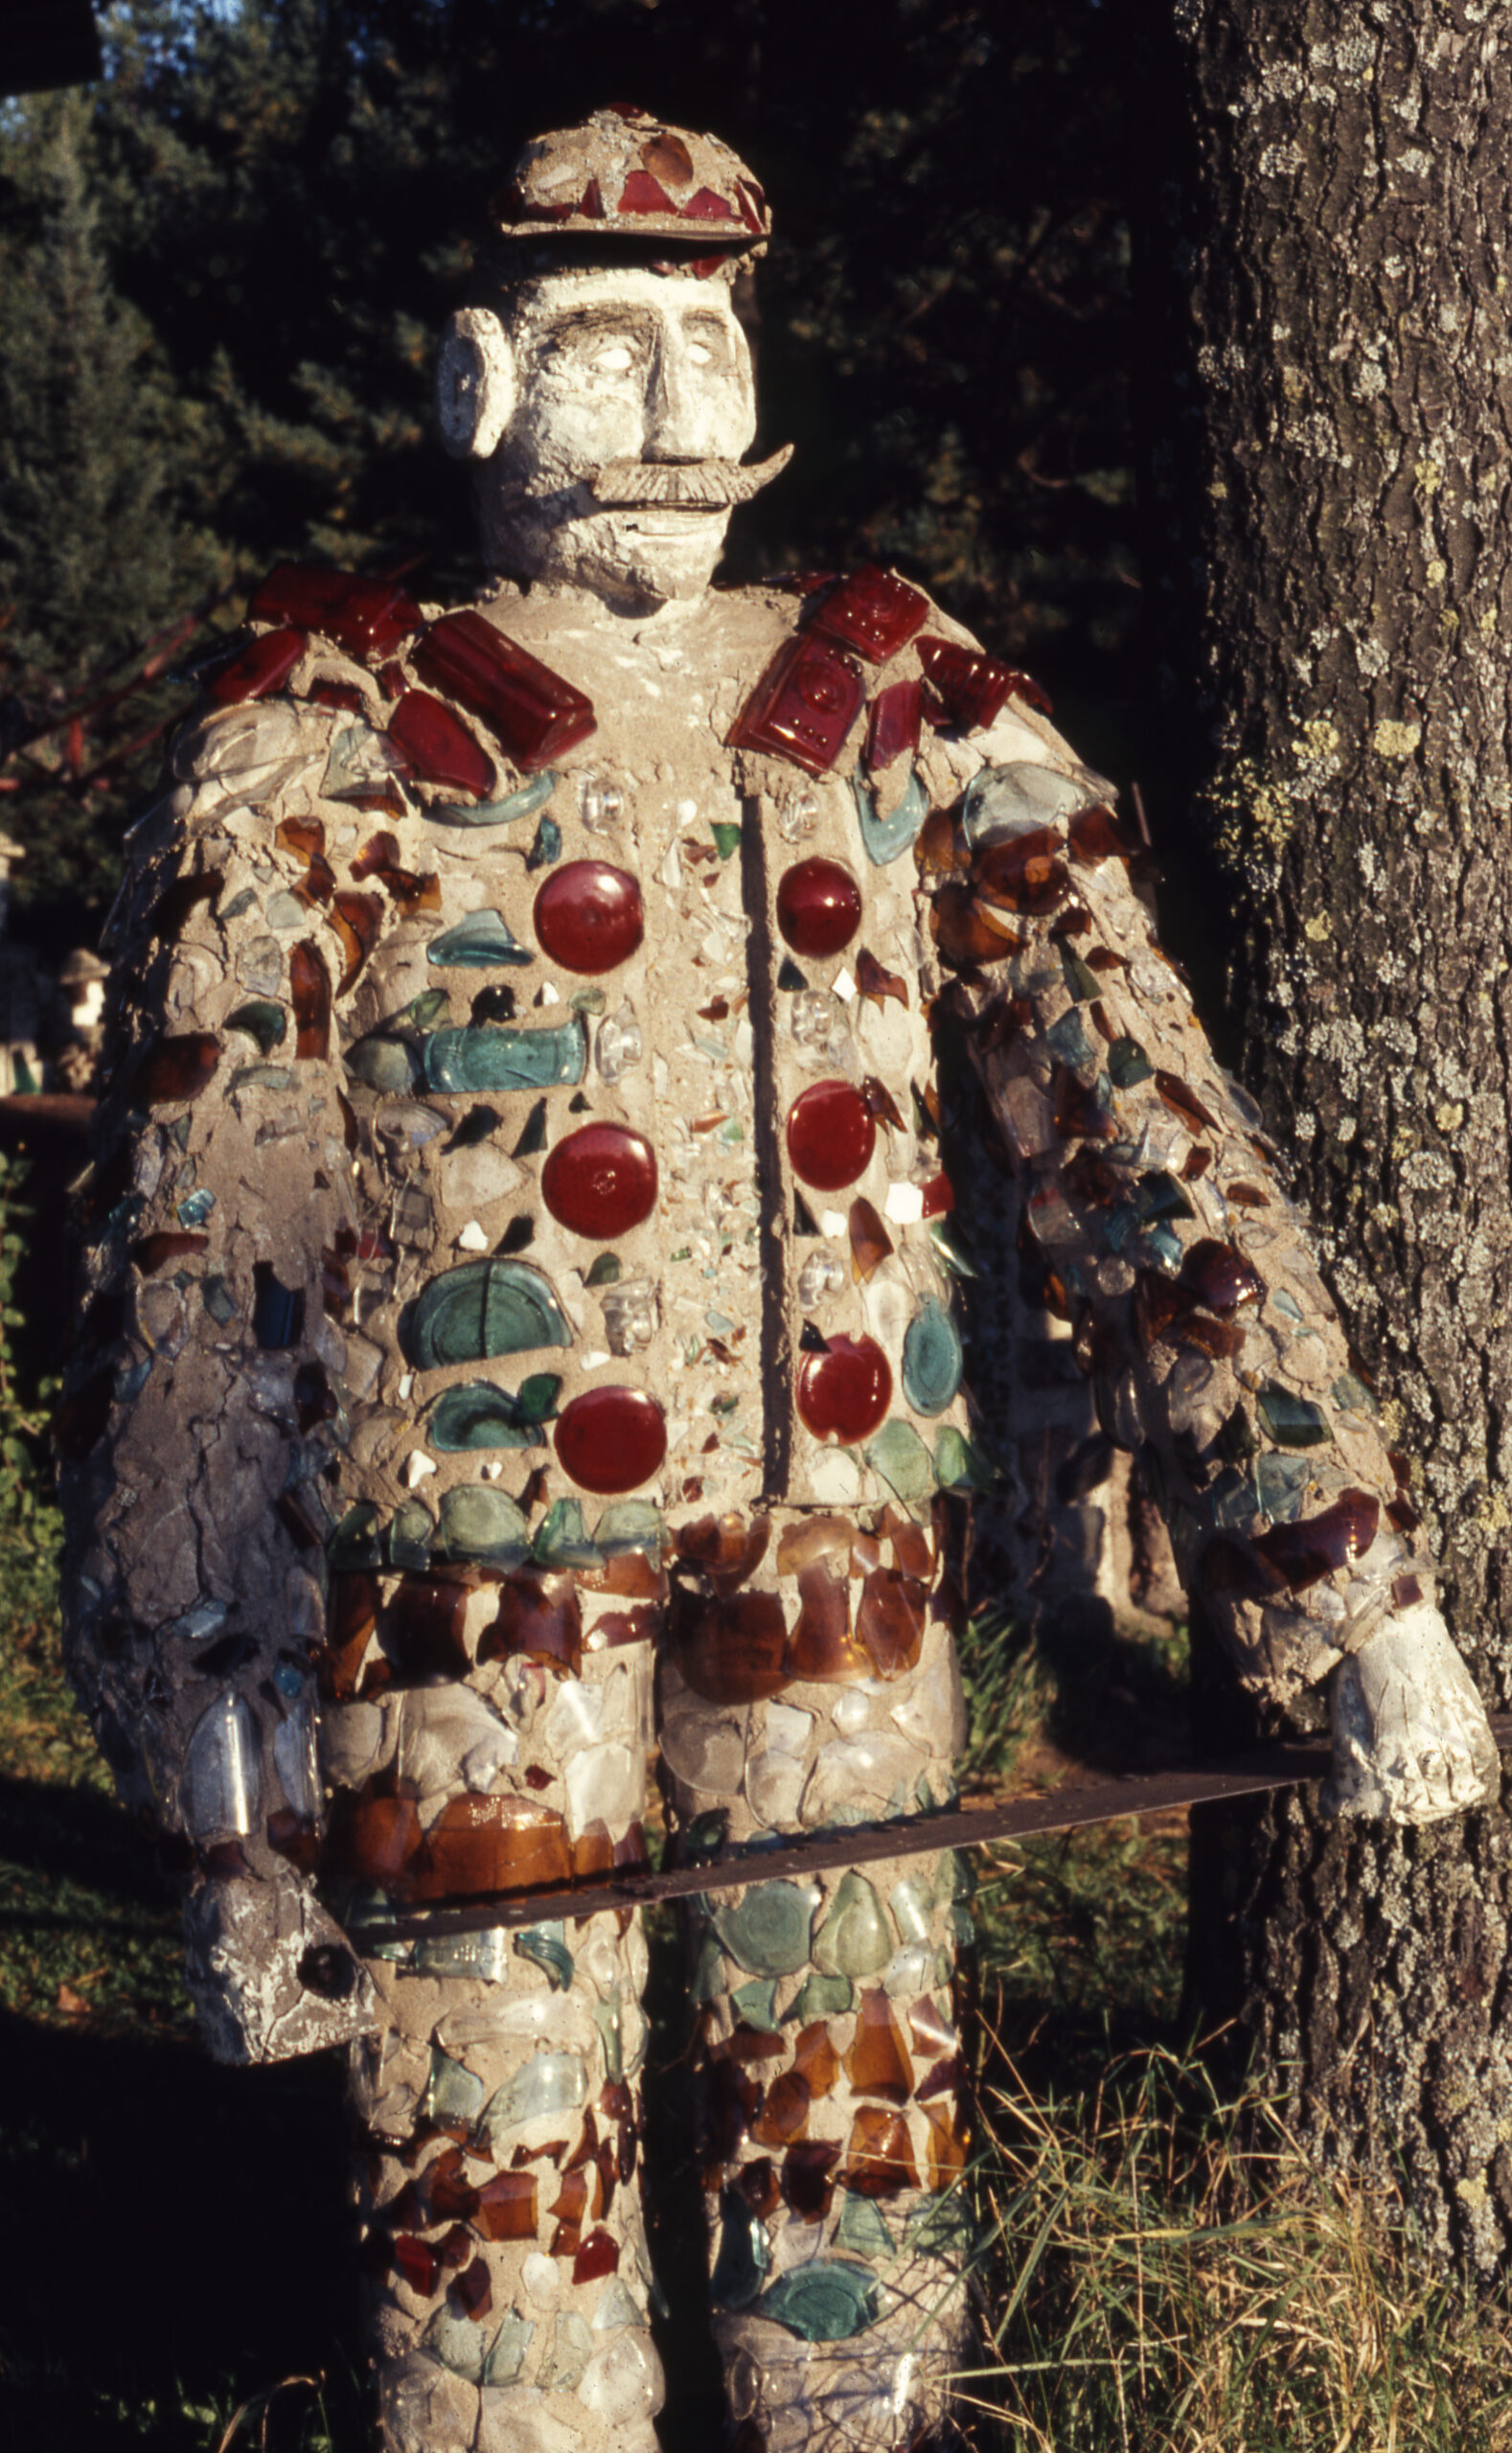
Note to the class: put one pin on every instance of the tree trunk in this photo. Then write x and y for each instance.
(1328, 476)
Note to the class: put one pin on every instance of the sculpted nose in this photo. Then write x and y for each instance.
(677, 410)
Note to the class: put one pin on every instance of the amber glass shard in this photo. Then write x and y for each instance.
(877, 983)
(878, 2062)
(571, 2203)
(753, 2044)
(757, 2182)
(1184, 1101)
(376, 1838)
(931, 2030)
(810, 1540)
(892, 724)
(803, 706)
(474, 2290)
(357, 920)
(734, 2101)
(879, 2157)
(820, 1647)
(153, 1253)
(535, 714)
(176, 1068)
(262, 665)
(729, 1548)
(367, 617)
(870, 1242)
(505, 2206)
(1080, 1112)
(913, 1548)
(450, 2196)
(421, 1631)
(1230, 1567)
(731, 1651)
(1306, 1551)
(844, 1393)
(807, 2178)
(815, 2060)
(881, 1104)
(1220, 1276)
(890, 1620)
(960, 932)
(1025, 874)
(540, 1614)
(484, 1845)
(973, 689)
(946, 2151)
(785, 2115)
(310, 985)
(941, 2078)
(350, 1619)
(1195, 1165)
(1098, 833)
(439, 746)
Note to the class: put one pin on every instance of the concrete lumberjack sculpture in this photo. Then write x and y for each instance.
(519, 1266)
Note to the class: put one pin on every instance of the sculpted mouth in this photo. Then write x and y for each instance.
(692, 484)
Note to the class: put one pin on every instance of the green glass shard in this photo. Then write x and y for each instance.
(745, 2257)
(353, 1543)
(1279, 1484)
(820, 1997)
(1291, 1421)
(1127, 1064)
(261, 1077)
(707, 1981)
(410, 1536)
(588, 1001)
(477, 1414)
(789, 976)
(932, 1358)
(1081, 984)
(524, 803)
(1351, 1396)
(608, 2019)
(215, 1295)
(1161, 1196)
(245, 901)
(1001, 802)
(456, 2343)
(481, 1309)
(885, 837)
(942, 2227)
(951, 1247)
(954, 1876)
(532, 1137)
(727, 837)
(488, 1056)
(507, 2350)
(572, 2346)
(912, 1904)
(546, 851)
(854, 1938)
(478, 1521)
(383, 1063)
(768, 1928)
(547, 1946)
(959, 1464)
(263, 1022)
(452, 2093)
(755, 2005)
(425, 1009)
(827, 2300)
(562, 1538)
(862, 2227)
(549, 2082)
(481, 942)
(631, 1524)
(607, 1270)
(904, 1464)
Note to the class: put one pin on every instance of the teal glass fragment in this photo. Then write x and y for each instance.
(549, 2082)
(900, 1456)
(479, 1521)
(1280, 1482)
(755, 2005)
(1000, 802)
(631, 1524)
(245, 901)
(477, 1414)
(932, 1360)
(959, 1464)
(820, 1996)
(261, 1077)
(481, 942)
(457, 2343)
(768, 1928)
(1291, 1421)
(546, 851)
(1081, 984)
(1285, 1305)
(531, 1139)
(507, 2350)
(562, 1538)
(827, 2300)
(410, 1536)
(883, 838)
(1127, 1064)
(425, 1010)
(453, 2094)
(547, 1946)
(524, 803)
(195, 1210)
(215, 1295)
(854, 1938)
(482, 1309)
(745, 2257)
(862, 2228)
(607, 1270)
(1159, 1246)
(912, 1904)
(353, 1543)
(264, 1022)
(962, 1926)
(1161, 1196)
(482, 1956)
(1349, 1393)
(942, 2227)
(708, 1979)
(789, 976)
(1067, 1040)
(951, 1247)
(954, 1876)
(498, 1056)
(572, 2346)
(1233, 1501)
(383, 1062)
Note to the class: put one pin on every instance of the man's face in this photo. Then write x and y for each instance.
(613, 368)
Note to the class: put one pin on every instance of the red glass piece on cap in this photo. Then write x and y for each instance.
(874, 612)
(974, 688)
(611, 1439)
(600, 1180)
(892, 724)
(642, 194)
(844, 1393)
(337, 694)
(707, 206)
(818, 908)
(589, 916)
(803, 706)
(438, 745)
(367, 617)
(264, 665)
(831, 1135)
(534, 713)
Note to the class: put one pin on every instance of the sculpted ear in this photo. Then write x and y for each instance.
(475, 387)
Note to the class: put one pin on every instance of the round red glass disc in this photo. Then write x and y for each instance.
(831, 1137)
(612, 1439)
(819, 908)
(588, 916)
(845, 1393)
(601, 1182)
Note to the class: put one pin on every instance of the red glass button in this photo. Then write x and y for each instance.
(803, 706)
(611, 1439)
(819, 908)
(974, 688)
(892, 724)
(265, 664)
(589, 917)
(601, 1182)
(874, 612)
(367, 617)
(438, 745)
(844, 1395)
(534, 713)
(831, 1135)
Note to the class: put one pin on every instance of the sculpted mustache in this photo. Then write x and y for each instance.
(697, 485)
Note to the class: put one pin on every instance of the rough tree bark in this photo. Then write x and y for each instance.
(1329, 475)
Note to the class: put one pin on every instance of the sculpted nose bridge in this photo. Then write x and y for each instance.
(677, 417)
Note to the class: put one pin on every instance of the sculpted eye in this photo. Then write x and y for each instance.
(700, 355)
(616, 360)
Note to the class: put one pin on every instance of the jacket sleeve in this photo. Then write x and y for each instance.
(201, 1405)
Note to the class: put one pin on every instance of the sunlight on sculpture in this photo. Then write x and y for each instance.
(524, 1334)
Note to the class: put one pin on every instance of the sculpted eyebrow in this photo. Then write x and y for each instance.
(580, 323)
